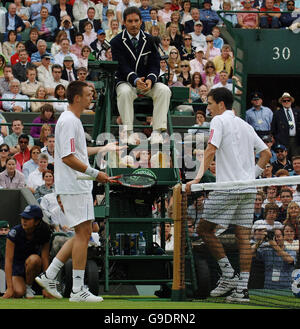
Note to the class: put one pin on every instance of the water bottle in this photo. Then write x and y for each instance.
(142, 244)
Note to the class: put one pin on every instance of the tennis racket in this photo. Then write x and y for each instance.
(128, 180)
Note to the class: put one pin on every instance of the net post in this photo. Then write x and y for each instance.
(178, 285)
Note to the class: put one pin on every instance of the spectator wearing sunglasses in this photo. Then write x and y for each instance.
(185, 76)
(282, 161)
(4, 153)
(285, 125)
(187, 50)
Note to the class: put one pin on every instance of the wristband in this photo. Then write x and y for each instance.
(258, 171)
(91, 172)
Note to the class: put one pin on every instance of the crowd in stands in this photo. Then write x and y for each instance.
(47, 44)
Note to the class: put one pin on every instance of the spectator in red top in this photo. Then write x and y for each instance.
(270, 20)
(24, 154)
(14, 59)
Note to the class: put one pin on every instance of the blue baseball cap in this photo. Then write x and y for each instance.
(280, 147)
(32, 211)
(100, 31)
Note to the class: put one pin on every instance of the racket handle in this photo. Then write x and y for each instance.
(85, 178)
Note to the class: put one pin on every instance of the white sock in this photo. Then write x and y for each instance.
(54, 268)
(243, 281)
(78, 280)
(226, 267)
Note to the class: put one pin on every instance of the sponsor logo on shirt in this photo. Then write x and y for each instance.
(210, 135)
(72, 141)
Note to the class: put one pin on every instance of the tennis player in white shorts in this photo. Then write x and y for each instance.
(71, 160)
(233, 144)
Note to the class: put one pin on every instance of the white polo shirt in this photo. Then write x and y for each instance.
(70, 139)
(236, 142)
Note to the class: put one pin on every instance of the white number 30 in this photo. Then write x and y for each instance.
(285, 53)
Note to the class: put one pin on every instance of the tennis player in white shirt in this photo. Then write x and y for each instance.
(71, 161)
(232, 143)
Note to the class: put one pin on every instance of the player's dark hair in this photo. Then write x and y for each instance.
(131, 10)
(75, 88)
(222, 95)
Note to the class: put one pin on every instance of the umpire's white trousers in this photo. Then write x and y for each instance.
(160, 94)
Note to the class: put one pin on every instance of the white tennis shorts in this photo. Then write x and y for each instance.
(78, 208)
(230, 208)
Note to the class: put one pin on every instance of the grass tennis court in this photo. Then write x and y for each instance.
(136, 302)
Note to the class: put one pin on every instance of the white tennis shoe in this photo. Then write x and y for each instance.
(224, 286)
(84, 295)
(49, 285)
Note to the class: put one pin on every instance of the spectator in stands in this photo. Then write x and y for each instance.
(267, 173)
(187, 51)
(268, 139)
(165, 46)
(224, 61)
(218, 41)
(49, 148)
(230, 17)
(145, 10)
(56, 80)
(208, 17)
(12, 139)
(210, 52)
(113, 30)
(86, 55)
(169, 237)
(142, 75)
(76, 47)
(5, 81)
(40, 94)
(287, 19)
(35, 179)
(154, 22)
(296, 165)
(42, 50)
(279, 262)
(290, 240)
(80, 9)
(9, 47)
(286, 196)
(61, 9)
(31, 44)
(198, 63)
(175, 19)
(23, 12)
(2, 65)
(285, 125)
(196, 82)
(69, 72)
(46, 116)
(185, 12)
(271, 218)
(46, 130)
(15, 57)
(110, 14)
(47, 187)
(44, 71)
(4, 153)
(210, 77)
(36, 9)
(55, 47)
(13, 22)
(27, 253)
(24, 154)
(293, 216)
(282, 161)
(100, 45)
(248, 20)
(89, 34)
(101, 12)
(224, 82)
(259, 116)
(60, 95)
(30, 86)
(30, 165)
(96, 23)
(198, 38)
(164, 15)
(189, 25)
(20, 69)
(176, 39)
(203, 92)
(174, 61)
(270, 20)
(46, 24)
(10, 177)
(258, 209)
(185, 76)
(200, 122)
(271, 196)
(67, 26)
(14, 94)
(65, 52)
